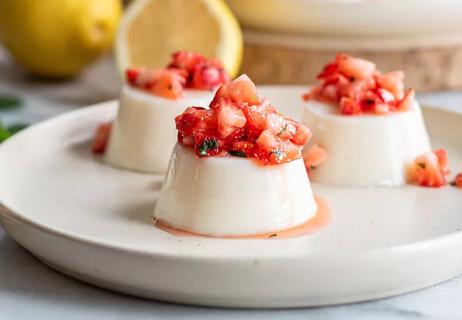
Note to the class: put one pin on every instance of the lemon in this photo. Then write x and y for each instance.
(152, 29)
(58, 38)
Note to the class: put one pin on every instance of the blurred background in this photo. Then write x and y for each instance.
(57, 55)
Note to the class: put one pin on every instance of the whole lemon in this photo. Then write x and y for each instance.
(58, 38)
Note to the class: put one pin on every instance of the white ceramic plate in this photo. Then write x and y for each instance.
(93, 222)
(351, 17)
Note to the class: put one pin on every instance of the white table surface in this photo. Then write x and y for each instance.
(30, 290)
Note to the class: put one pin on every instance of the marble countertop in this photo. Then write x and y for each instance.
(30, 290)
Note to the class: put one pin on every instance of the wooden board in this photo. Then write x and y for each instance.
(430, 63)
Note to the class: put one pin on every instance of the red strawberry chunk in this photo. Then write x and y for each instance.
(357, 87)
(313, 157)
(186, 70)
(443, 160)
(458, 181)
(408, 100)
(393, 82)
(354, 67)
(101, 138)
(349, 106)
(208, 75)
(431, 168)
(230, 118)
(243, 90)
(241, 124)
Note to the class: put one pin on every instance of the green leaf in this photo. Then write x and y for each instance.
(10, 102)
(238, 154)
(207, 145)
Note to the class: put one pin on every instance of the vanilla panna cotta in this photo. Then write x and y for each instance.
(143, 133)
(237, 168)
(233, 196)
(370, 127)
(367, 150)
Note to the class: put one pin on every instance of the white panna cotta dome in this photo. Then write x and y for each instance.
(232, 196)
(365, 150)
(144, 133)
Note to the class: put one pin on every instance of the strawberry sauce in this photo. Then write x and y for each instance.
(320, 220)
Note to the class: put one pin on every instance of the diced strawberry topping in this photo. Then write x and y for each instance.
(101, 138)
(431, 168)
(313, 157)
(241, 124)
(186, 70)
(458, 181)
(354, 68)
(357, 87)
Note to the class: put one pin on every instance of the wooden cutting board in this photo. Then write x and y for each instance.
(431, 61)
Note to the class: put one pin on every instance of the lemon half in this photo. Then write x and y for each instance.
(151, 30)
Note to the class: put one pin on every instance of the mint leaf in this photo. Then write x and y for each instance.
(207, 145)
(9, 102)
(238, 154)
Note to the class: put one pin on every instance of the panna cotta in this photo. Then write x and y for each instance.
(370, 128)
(143, 133)
(237, 168)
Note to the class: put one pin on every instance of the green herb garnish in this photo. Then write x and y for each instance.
(312, 167)
(284, 129)
(238, 154)
(277, 153)
(9, 102)
(207, 145)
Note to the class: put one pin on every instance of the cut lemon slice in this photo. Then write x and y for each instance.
(151, 30)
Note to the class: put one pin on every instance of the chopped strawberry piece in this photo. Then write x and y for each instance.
(103, 131)
(431, 168)
(393, 82)
(357, 87)
(267, 140)
(313, 157)
(186, 70)
(208, 75)
(243, 90)
(408, 100)
(230, 118)
(458, 181)
(241, 124)
(349, 106)
(443, 160)
(354, 67)
(186, 60)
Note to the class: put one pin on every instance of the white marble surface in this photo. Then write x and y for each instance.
(30, 290)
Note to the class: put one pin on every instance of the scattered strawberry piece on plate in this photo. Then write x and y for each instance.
(457, 181)
(313, 157)
(431, 168)
(101, 138)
